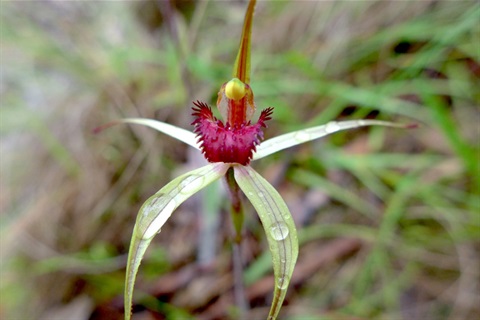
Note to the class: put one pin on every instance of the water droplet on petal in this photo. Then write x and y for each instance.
(191, 184)
(332, 127)
(250, 193)
(261, 195)
(282, 282)
(301, 136)
(161, 211)
(279, 231)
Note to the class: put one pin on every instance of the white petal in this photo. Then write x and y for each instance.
(180, 134)
(291, 139)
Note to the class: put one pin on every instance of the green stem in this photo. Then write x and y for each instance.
(237, 219)
(238, 287)
(237, 208)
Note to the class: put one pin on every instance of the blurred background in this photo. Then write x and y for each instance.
(388, 219)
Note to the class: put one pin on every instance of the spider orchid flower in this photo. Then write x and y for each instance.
(230, 146)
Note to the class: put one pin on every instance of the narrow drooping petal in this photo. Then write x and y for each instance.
(180, 134)
(225, 143)
(156, 210)
(279, 228)
(291, 139)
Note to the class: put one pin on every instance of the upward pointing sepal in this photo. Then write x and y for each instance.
(241, 70)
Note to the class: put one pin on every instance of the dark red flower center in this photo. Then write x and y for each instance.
(223, 142)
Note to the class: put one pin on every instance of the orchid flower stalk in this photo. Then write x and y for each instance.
(230, 147)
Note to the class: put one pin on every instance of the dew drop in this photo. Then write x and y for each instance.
(332, 127)
(261, 195)
(301, 136)
(282, 282)
(161, 213)
(191, 183)
(279, 231)
(250, 193)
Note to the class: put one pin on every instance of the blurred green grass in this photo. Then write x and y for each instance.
(412, 197)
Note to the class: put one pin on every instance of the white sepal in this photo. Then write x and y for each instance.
(279, 228)
(155, 212)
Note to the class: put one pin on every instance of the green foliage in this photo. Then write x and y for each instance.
(411, 197)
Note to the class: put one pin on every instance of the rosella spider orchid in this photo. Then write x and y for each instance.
(230, 146)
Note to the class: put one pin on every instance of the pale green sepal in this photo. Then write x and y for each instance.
(137, 249)
(291, 139)
(157, 209)
(180, 134)
(279, 228)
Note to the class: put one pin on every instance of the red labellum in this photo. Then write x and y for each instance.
(223, 142)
